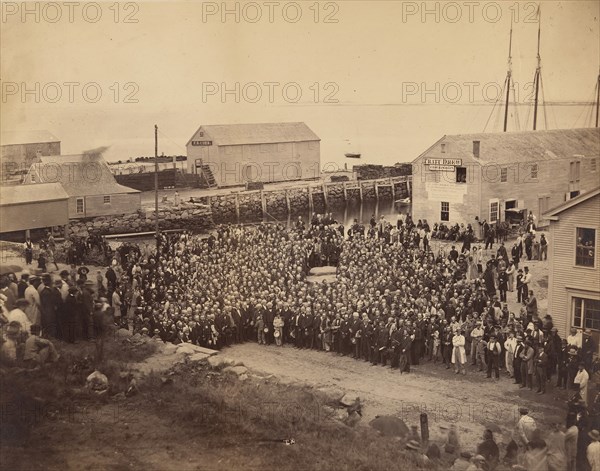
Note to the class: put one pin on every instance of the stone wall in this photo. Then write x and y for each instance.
(242, 206)
(193, 217)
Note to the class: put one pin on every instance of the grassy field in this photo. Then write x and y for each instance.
(189, 417)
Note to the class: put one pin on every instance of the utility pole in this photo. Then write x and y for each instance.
(538, 70)
(156, 186)
(508, 78)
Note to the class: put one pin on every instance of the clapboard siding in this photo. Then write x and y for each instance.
(563, 273)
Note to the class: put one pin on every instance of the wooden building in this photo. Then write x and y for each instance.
(574, 283)
(26, 207)
(18, 150)
(89, 183)
(236, 154)
(465, 178)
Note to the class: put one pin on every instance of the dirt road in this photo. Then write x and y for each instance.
(472, 402)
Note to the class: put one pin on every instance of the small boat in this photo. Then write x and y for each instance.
(353, 156)
(403, 201)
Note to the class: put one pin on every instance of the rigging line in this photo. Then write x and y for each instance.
(167, 137)
(516, 108)
(544, 103)
(494, 107)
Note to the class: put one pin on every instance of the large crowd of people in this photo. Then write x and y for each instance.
(396, 301)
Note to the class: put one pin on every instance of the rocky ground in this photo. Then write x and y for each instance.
(472, 402)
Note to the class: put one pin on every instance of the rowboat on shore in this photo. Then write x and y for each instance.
(352, 156)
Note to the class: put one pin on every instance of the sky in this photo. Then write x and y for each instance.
(383, 78)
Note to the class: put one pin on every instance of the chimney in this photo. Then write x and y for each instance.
(476, 149)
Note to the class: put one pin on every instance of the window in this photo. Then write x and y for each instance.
(107, 199)
(585, 250)
(534, 171)
(79, 205)
(504, 174)
(593, 165)
(573, 194)
(586, 313)
(445, 216)
(494, 205)
(461, 174)
(575, 171)
(443, 148)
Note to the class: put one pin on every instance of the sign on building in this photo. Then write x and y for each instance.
(443, 165)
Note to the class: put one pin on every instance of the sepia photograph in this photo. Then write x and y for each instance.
(349, 235)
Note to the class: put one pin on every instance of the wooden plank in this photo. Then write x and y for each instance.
(287, 201)
(263, 201)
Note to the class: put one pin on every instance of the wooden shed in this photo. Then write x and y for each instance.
(25, 207)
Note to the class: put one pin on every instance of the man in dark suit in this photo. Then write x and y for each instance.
(238, 327)
(22, 285)
(381, 344)
(48, 308)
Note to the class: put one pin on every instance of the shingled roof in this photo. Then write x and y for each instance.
(79, 175)
(532, 146)
(258, 133)
(22, 194)
(10, 138)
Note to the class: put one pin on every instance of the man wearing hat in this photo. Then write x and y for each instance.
(22, 284)
(494, 350)
(527, 366)
(541, 365)
(520, 294)
(522, 433)
(510, 345)
(48, 302)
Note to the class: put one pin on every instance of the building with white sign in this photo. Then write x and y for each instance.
(236, 154)
(465, 178)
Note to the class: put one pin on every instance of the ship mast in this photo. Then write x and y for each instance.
(597, 99)
(508, 77)
(538, 70)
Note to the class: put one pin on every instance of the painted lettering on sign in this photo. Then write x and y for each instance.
(441, 168)
(447, 162)
(202, 143)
